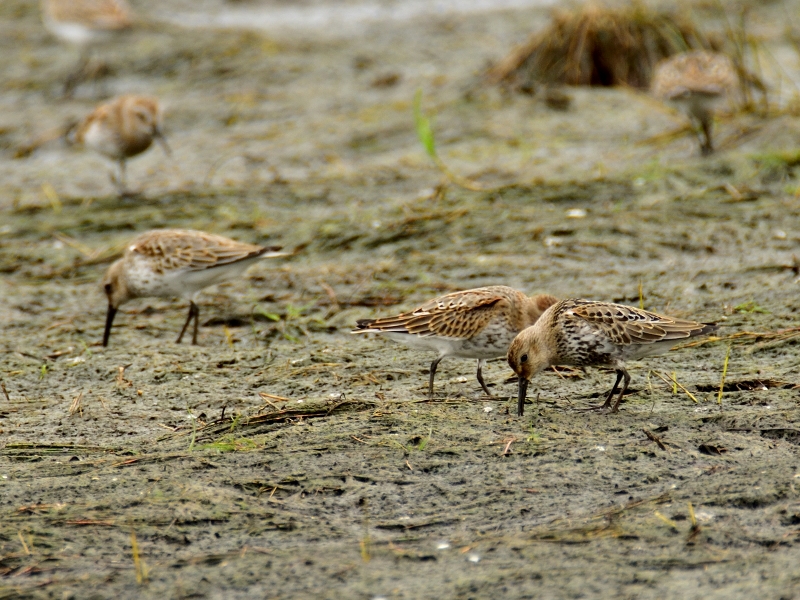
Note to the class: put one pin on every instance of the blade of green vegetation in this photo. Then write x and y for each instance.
(424, 129)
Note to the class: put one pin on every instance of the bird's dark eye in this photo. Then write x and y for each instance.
(523, 358)
(107, 288)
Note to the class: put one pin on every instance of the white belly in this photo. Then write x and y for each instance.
(492, 342)
(73, 33)
(103, 140)
(183, 283)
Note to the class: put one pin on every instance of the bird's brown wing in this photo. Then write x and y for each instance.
(456, 315)
(626, 325)
(193, 250)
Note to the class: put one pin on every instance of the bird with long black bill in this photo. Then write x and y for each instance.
(177, 262)
(585, 333)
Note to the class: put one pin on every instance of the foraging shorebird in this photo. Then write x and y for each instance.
(177, 262)
(83, 22)
(696, 82)
(121, 129)
(478, 323)
(584, 333)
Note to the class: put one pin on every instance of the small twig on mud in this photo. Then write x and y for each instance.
(666, 137)
(744, 336)
(24, 545)
(666, 520)
(76, 405)
(358, 440)
(410, 468)
(31, 146)
(508, 446)
(273, 396)
(138, 563)
(331, 293)
(228, 336)
(5, 391)
(365, 542)
(73, 243)
(619, 510)
(675, 382)
(267, 397)
(653, 437)
(121, 381)
(194, 432)
(724, 373)
(695, 528)
(216, 166)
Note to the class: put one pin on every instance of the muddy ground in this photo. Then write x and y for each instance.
(283, 457)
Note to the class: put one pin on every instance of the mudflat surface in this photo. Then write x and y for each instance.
(284, 457)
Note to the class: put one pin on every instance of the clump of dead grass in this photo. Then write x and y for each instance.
(598, 45)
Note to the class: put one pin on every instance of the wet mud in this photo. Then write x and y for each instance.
(282, 456)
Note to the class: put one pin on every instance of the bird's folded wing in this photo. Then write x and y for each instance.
(195, 251)
(628, 325)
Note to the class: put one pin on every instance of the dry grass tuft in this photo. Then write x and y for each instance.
(598, 45)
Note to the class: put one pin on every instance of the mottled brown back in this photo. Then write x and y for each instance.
(458, 315)
(625, 325)
(694, 72)
(97, 14)
(195, 250)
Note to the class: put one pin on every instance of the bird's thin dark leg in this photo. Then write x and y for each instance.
(196, 323)
(481, 362)
(623, 390)
(122, 185)
(434, 364)
(77, 76)
(706, 148)
(610, 396)
(620, 375)
(188, 320)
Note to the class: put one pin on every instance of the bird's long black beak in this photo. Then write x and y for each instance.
(159, 135)
(109, 320)
(523, 391)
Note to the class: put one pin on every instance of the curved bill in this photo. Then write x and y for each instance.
(109, 320)
(162, 141)
(523, 390)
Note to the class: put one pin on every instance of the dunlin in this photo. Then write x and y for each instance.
(478, 323)
(584, 333)
(82, 22)
(696, 82)
(177, 262)
(122, 128)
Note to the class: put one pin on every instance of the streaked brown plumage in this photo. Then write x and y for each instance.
(478, 323)
(177, 262)
(122, 128)
(82, 22)
(585, 333)
(696, 82)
